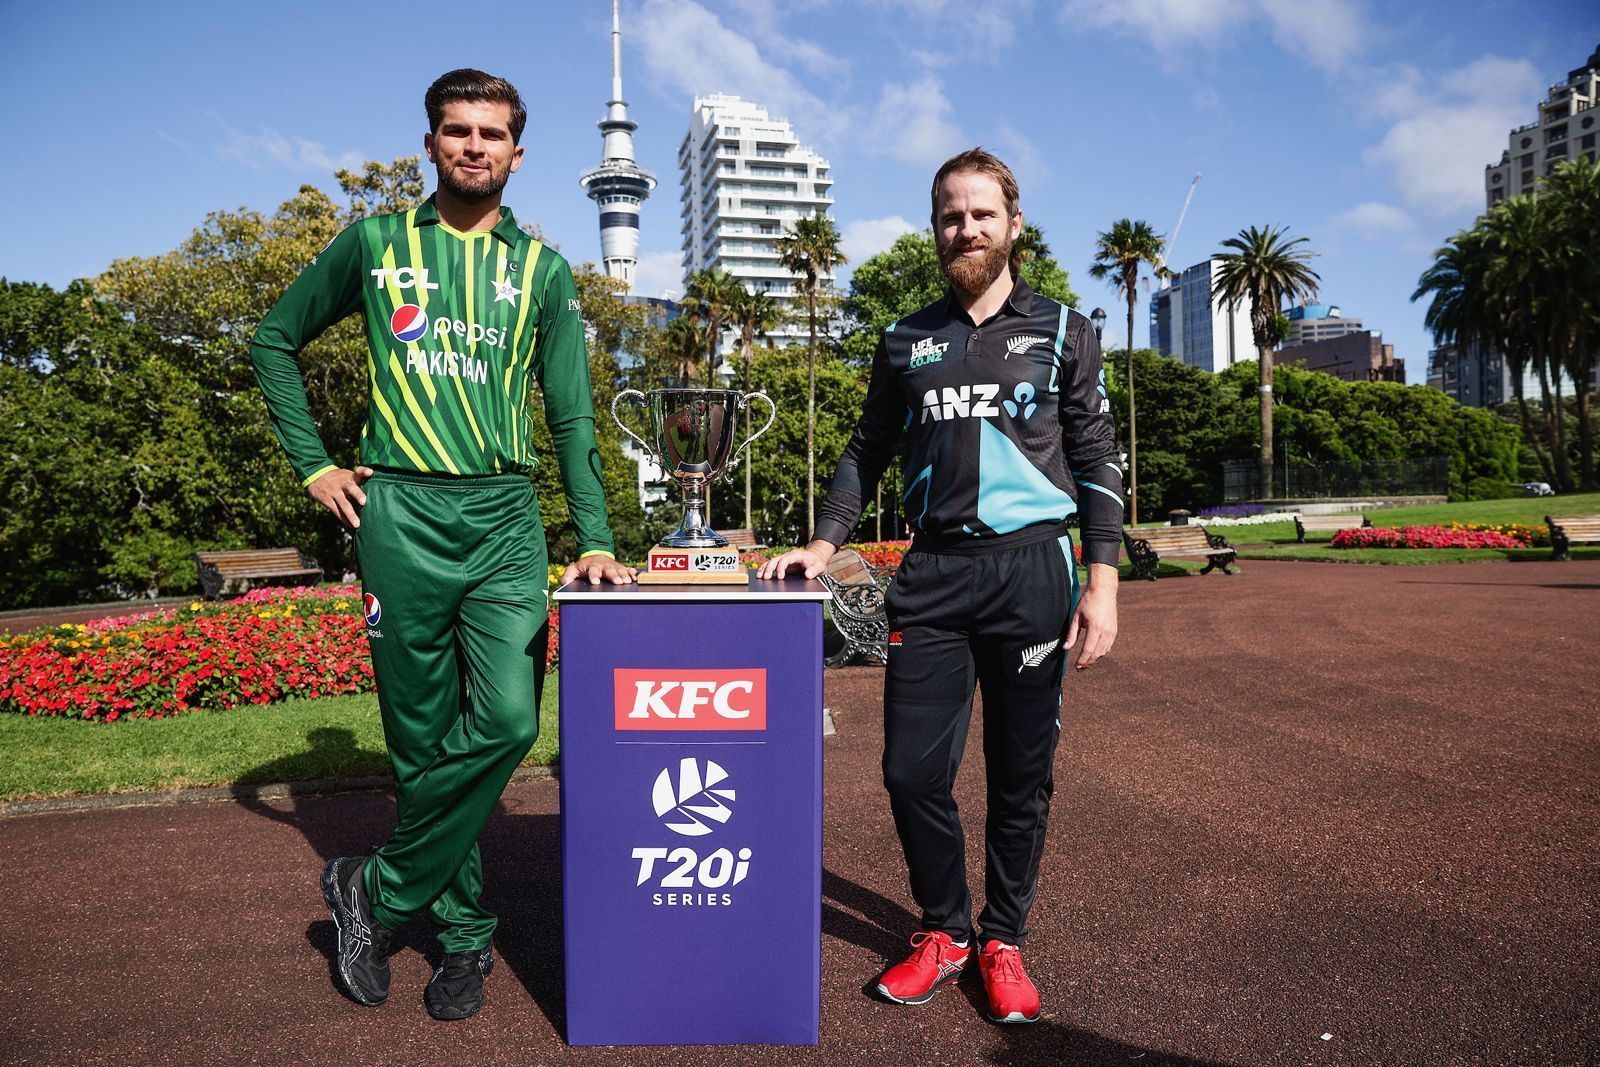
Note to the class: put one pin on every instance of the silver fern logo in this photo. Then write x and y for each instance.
(1022, 342)
(1032, 657)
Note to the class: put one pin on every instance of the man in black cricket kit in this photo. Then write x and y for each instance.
(1001, 397)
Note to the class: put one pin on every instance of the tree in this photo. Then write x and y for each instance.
(754, 313)
(1265, 267)
(1119, 253)
(810, 251)
(710, 296)
(685, 341)
(1572, 194)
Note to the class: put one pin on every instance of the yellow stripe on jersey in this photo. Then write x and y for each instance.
(422, 302)
(394, 424)
(416, 411)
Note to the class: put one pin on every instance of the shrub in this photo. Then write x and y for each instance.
(1491, 489)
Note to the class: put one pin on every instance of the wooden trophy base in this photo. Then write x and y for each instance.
(694, 566)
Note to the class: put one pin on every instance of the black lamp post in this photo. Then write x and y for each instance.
(1098, 317)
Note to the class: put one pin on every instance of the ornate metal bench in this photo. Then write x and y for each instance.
(239, 572)
(1304, 524)
(859, 590)
(1146, 546)
(1567, 530)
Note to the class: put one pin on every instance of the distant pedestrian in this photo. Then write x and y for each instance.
(1001, 398)
(463, 312)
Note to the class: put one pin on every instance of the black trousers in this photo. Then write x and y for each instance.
(996, 619)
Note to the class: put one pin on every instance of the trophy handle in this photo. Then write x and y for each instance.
(772, 413)
(616, 419)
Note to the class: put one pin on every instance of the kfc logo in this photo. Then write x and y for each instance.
(663, 562)
(690, 700)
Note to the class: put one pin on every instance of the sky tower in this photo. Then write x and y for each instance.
(618, 185)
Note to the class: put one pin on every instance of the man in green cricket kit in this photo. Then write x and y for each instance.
(463, 312)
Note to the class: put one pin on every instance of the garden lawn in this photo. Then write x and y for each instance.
(296, 740)
(1530, 511)
(1323, 552)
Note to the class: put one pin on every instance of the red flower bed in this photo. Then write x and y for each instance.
(267, 646)
(1427, 537)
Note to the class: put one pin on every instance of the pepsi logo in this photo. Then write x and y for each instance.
(371, 608)
(409, 323)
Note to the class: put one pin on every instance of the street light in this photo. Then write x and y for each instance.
(1098, 317)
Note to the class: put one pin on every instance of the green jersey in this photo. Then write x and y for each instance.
(459, 326)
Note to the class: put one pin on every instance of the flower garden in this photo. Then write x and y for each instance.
(1456, 535)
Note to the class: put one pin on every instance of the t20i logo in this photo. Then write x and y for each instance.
(690, 700)
(694, 799)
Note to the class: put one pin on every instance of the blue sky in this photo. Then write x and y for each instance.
(1363, 126)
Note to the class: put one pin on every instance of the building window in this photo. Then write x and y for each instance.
(1527, 160)
(1527, 142)
(1587, 142)
(1527, 177)
(1555, 133)
(1495, 178)
(1555, 151)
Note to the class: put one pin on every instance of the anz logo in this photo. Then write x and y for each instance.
(977, 402)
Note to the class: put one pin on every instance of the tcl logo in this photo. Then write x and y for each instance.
(691, 700)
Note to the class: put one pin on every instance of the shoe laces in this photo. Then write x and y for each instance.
(927, 943)
(1006, 963)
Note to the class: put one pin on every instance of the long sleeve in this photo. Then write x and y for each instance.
(1089, 441)
(326, 291)
(561, 364)
(866, 456)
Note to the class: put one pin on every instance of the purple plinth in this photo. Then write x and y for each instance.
(691, 813)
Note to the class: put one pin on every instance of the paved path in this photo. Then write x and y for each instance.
(1306, 799)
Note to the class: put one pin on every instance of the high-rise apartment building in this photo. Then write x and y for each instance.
(618, 186)
(1567, 127)
(1310, 323)
(1187, 324)
(745, 178)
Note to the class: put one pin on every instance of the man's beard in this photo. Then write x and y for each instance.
(484, 187)
(974, 276)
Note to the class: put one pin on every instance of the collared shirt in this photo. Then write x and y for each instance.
(1006, 424)
(459, 325)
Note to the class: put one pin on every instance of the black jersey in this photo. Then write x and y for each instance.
(1008, 430)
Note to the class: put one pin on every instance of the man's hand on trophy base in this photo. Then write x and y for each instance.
(597, 569)
(339, 490)
(810, 561)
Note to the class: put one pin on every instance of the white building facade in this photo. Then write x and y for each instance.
(618, 186)
(746, 178)
(1567, 127)
(1190, 326)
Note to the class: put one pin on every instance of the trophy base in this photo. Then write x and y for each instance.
(694, 566)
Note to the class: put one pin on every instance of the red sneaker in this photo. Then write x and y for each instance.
(915, 979)
(1012, 998)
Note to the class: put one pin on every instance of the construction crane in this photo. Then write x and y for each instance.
(1173, 236)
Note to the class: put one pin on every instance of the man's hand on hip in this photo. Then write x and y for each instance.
(812, 560)
(340, 492)
(1096, 616)
(597, 569)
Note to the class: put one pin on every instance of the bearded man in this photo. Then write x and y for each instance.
(1001, 396)
(463, 312)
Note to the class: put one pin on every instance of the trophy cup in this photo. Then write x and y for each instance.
(692, 432)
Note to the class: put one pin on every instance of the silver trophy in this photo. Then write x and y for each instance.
(693, 432)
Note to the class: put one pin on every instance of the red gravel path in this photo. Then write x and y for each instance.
(1306, 799)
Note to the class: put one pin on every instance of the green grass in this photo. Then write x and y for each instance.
(1404, 556)
(336, 737)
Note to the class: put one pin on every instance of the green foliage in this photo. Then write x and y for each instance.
(1483, 488)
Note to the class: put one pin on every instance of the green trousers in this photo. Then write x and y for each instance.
(455, 580)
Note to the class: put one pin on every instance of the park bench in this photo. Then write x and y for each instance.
(1304, 524)
(1146, 546)
(239, 572)
(1567, 530)
(859, 590)
(743, 540)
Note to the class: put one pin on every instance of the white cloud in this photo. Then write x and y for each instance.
(1376, 221)
(989, 26)
(690, 51)
(1445, 130)
(1023, 157)
(658, 274)
(911, 123)
(1326, 32)
(269, 146)
(865, 238)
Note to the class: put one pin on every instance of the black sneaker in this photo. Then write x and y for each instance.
(456, 989)
(363, 960)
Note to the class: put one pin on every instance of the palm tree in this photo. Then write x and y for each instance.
(686, 340)
(709, 296)
(1118, 254)
(1573, 194)
(1265, 268)
(754, 313)
(810, 251)
(1521, 281)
